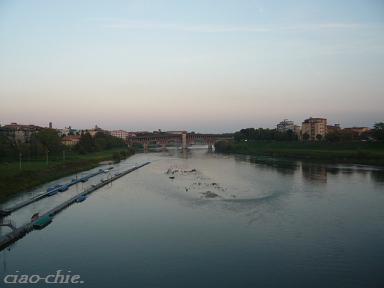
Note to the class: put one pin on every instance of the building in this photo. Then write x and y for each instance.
(297, 130)
(357, 130)
(70, 140)
(285, 125)
(333, 128)
(96, 130)
(67, 131)
(20, 133)
(122, 134)
(315, 128)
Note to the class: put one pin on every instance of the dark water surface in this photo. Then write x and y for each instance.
(222, 221)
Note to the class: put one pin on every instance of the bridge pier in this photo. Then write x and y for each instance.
(145, 146)
(184, 144)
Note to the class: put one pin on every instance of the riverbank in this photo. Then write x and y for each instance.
(354, 152)
(34, 173)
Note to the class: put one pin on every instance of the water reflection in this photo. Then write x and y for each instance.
(377, 176)
(282, 166)
(314, 173)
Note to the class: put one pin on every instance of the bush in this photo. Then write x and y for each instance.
(223, 146)
(116, 157)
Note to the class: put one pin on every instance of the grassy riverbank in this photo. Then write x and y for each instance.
(351, 152)
(34, 173)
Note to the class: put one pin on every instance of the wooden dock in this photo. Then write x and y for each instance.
(21, 231)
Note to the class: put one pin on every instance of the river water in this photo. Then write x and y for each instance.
(200, 219)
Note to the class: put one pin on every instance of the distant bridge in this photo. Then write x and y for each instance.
(182, 139)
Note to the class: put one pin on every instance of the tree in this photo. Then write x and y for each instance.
(86, 143)
(333, 136)
(319, 137)
(7, 149)
(50, 140)
(223, 146)
(36, 148)
(347, 135)
(305, 136)
(101, 141)
(252, 134)
(378, 131)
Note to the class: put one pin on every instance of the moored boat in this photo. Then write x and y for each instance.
(34, 217)
(63, 188)
(81, 198)
(41, 222)
(53, 190)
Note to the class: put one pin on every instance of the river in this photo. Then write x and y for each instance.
(200, 219)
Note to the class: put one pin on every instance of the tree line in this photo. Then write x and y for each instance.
(39, 143)
(252, 134)
(47, 141)
(101, 141)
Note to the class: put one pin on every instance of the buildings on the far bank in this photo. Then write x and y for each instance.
(286, 125)
(333, 128)
(311, 129)
(357, 130)
(20, 133)
(70, 140)
(314, 129)
(122, 134)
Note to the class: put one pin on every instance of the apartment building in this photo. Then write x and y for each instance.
(315, 128)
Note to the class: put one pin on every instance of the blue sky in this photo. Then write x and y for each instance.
(197, 65)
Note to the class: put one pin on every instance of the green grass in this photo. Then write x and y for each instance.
(37, 172)
(352, 152)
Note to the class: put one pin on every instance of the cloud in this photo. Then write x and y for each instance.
(331, 26)
(148, 25)
(111, 23)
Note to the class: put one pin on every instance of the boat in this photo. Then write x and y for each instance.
(42, 222)
(63, 188)
(83, 180)
(34, 217)
(81, 198)
(53, 188)
(53, 192)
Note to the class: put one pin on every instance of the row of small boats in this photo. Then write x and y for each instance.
(64, 187)
(41, 222)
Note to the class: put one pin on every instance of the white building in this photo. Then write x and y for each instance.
(285, 125)
(122, 134)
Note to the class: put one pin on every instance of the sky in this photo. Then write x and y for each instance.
(202, 65)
